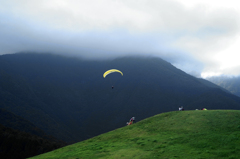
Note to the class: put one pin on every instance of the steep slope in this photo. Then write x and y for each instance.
(181, 134)
(69, 98)
(213, 85)
(231, 84)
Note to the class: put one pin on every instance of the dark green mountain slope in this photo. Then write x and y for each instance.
(15, 144)
(15, 122)
(69, 98)
(195, 134)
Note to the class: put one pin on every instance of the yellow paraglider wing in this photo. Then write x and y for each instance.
(111, 71)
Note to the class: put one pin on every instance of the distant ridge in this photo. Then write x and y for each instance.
(232, 84)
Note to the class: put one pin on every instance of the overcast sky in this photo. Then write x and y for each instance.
(201, 37)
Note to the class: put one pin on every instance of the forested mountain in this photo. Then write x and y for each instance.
(17, 144)
(20, 138)
(69, 99)
(231, 84)
(15, 122)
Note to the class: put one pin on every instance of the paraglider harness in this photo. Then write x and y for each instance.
(130, 123)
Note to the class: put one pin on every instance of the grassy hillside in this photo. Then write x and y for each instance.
(194, 134)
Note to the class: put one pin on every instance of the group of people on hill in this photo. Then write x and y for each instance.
(131, 121)
(133, 118)
(202, 109)
(181, 108)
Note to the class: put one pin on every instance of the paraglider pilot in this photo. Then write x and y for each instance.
(181, 108)
(131, 121)
(111, 71)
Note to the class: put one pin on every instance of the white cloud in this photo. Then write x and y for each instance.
(201, 33)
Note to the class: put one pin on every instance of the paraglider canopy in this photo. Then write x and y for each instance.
(111, 71)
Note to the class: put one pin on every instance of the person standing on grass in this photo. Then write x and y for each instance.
(180, 108)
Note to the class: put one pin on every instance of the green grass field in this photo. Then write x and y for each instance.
(198, 134)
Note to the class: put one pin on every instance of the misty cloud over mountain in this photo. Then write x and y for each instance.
(197, 37)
